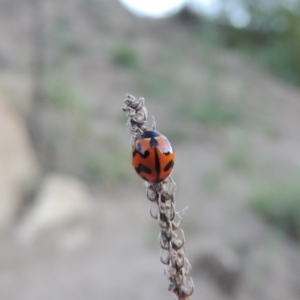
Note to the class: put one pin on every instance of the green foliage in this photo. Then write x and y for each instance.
(160, 86)
(209, 34)
(271, 38)
(63, 42)
(177, 135)
(125, 56)
(60, 31)
(62, 95)
(212, 112)
(239, 158)
(278, 201)
(108, 165)
(282, 58)
(104, 169)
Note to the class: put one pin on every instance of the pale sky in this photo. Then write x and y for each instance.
(153, 8)
(238, 16)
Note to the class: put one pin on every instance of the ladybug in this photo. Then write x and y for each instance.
(153, 156)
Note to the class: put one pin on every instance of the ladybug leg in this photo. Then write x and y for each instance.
(172, 181)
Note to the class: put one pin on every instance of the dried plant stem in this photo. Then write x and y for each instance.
(162, 196)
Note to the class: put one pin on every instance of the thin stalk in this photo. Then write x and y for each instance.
(162, 196)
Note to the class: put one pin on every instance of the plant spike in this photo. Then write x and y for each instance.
(162, 195)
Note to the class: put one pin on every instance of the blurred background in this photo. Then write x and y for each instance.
(222, 79)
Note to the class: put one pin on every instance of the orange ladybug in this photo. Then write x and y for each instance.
(153, 156)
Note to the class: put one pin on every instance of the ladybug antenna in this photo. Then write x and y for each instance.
(153, 123)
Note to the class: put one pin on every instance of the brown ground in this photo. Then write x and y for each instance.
(113, 253)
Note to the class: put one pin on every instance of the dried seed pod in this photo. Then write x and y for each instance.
(162, 196)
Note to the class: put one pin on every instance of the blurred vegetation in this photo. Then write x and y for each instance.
(213, 112)
(125, 56)
(239, 159)
(271, 37)
(171, 76)
(106, 163)
(63, 96)
(212, 180)
(97, 169)
(177, 135)
(278, 201)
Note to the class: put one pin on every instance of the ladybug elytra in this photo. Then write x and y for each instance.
(153, 156)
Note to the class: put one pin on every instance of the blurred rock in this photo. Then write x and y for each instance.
(272, 270)
(18, 165)
(62, 200)
(220, 263)
(188, 17)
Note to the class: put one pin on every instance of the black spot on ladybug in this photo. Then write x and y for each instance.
(169, 166)
(134, 153)
(143, 168)
(138, 151)
(145, 154)
(146, 179)
(153, 143)
(153, 155)
(166, 150)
